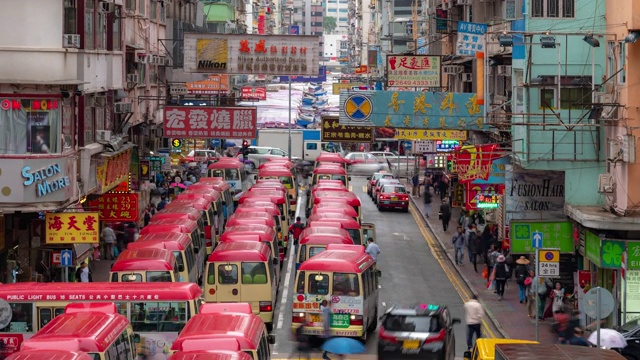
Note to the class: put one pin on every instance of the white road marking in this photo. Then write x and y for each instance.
(384, 304)
(285, 290)
(379, 286)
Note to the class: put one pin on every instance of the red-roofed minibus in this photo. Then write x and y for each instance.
(210, 355)
(183, 226)
(348, 197)
(336, 208)
(348, 223)
(327, 157)
(261, 207)
(48, 355)
(314, 240)
(278, 198)
(243, 271)
(330, 172)
(258, 217)
(94, 328)
(266, 234)
(36, 304)
(174, 211)
(181, 247)
(211, 218)
(266, 203)
(286, 176)
(224, 199)
(231, 170)
(145, 265)
(348, 279)
(325, 186)
(228, 321)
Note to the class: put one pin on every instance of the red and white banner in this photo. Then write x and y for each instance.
(475, 161)
(254, 93)
(210, 122)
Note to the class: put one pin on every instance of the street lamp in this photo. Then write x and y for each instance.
(290, 9)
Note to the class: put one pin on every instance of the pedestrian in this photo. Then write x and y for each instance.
(478, 250)
(427, 182)
(415, 182)
(500, 275)
(147, 216)
(532, 293)
(543, 292)
(443, 185)
(130, 233)
(560, 325)
(303, 340)
(373, 250)
(163, 202)
(521, 275)
(578, 337)
(458, 245)
(492, 257)
(109, 237)
(427, 203)
(469, 239)
(445, 215)
(572, 324)
(557, 296)
(325, 307)
(295, 230)
(152, 209)
(474, 313)
(83, 274)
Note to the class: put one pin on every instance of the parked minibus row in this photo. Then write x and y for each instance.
(98, 330)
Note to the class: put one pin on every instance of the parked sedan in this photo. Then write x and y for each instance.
(393, 196)
(631, 332)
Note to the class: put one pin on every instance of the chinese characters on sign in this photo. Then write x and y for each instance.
(213, 85)
(421, 134)
(113, 170)
(254, 93)
(470, 38)
(474, 161)
(556, 234)
(116, 207)
(210, 122)
(476, 194)
(252, 54)
(413, 70)
(333, 131)
(72, 228)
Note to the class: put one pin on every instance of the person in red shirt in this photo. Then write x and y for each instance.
(295, 229)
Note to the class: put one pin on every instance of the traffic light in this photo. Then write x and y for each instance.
(245, 149)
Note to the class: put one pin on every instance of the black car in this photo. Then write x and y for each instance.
(419, 332)
(631, 332)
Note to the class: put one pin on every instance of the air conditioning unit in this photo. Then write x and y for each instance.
(103, 135)
(122, 107)
(504, 70)
(133, 77)
(606, 184)
(148, 59)
(452, 69)
(466, 77)
(71, 41)
(99, 101)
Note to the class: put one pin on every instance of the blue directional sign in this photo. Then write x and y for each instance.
(536, 239)
(66, 257)
(406, 145)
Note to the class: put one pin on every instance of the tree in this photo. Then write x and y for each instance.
(329, 24)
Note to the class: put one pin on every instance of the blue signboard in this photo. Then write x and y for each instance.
(66, 257)
(413, 109)
(294, 30)
(470, 38)
(498, 169)
(322, 77)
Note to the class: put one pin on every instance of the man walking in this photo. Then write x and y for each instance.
(296, 229)
(474, 313)
(415, 182)
(445, 215)
(373, 250)
(109, 238)
(458, 245)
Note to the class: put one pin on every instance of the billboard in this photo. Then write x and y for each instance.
(411, 109)
(72, 228)
(413, 71)
(199, 122)
(251, 54)
(470, 38)
(211, 85)
(423, 134)
(333, 131)
(254, 93)
(321, 77)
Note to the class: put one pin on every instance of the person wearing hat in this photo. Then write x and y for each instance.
(500, 274)
(522, 271)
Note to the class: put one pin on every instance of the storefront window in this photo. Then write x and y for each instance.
(30, 126)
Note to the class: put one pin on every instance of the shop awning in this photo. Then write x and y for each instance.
(82, 252)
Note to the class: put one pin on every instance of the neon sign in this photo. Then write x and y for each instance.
(446, 145)
(487, 201)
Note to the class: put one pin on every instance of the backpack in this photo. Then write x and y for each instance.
(520, 278)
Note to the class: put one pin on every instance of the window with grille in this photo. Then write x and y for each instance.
(553, 8)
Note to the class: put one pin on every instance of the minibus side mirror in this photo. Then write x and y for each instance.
(224, 202)
(271, 339)
(455, 321)
(136, 338)
(368, 177)
(180, 267)
(215, 213)
(282, 217)
(467, 355)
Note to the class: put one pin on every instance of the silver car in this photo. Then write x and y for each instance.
(361, 163)
(259, 155)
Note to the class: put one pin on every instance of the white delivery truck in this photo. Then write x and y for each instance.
(305, 144)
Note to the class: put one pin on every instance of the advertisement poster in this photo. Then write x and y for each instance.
(36, 123)
(254, 93)
(116, 207)
(470, 38)
(210, 122)
(413, 70)
(533, 194)
(333, 131)
(72, 228)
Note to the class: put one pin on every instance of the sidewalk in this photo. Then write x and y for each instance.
(508, 315)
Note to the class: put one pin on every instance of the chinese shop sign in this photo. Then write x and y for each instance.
(340, 321)
(254, 93)
(422, 134)
(72, 228)
(116, 207)
(413, 70)
(211, 85)
(607, 253)
(252, 54)
(633, 253)
(470, 38)
(474, 191)
(411, 109)
(333, 131)
(475, 161)
(556, 235)
(210, 122)
(113, 170)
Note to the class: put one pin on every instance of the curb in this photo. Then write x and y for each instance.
(489, 313)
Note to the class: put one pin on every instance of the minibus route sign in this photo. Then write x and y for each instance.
(341, 321)
(55, 297)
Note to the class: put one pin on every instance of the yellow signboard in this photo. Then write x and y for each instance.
(427, 134)
(337, 87)
(549, 255)
(72, 228)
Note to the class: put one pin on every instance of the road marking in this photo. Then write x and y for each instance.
(350, 187)
(364, 188)
(384, 304)
(457, 285)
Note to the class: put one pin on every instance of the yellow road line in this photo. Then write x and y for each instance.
(460, 289)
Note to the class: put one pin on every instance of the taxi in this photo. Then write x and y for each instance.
(393, 196)
(379, 184)
(371, 181)
(485, 349)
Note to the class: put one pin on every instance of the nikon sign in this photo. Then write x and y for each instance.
(251, 54)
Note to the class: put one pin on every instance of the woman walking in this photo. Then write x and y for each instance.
(521, 275)
(500, 274)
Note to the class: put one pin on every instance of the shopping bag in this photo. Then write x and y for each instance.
(485, 273)
(116, 251)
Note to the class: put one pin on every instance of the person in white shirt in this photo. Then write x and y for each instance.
(109, 238)
(373, 249)
(474, 313)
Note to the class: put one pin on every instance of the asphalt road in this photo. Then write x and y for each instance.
(411, 274)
